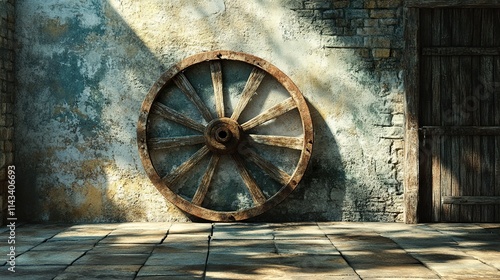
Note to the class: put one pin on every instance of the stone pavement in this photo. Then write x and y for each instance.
(334, 250)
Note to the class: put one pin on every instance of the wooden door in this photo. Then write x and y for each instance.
(459, 118)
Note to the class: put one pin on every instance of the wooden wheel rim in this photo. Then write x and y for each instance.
(296, 101)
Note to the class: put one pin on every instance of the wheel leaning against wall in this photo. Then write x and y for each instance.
(220, 135)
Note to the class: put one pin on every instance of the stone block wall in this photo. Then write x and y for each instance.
(7, 90)
(372, 32)
(84, 68)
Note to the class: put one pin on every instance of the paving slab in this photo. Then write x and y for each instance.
(367, 271)
(168, 259)
(242, 247)
(181, 270)
(242, 231)
(190, 229)
(182, 246)
(31, 258)
(33, 272)
(56, 246)
(112, 259)
(136, 236)
(121, 248)
(297, 231)
(160, 226)
(333, 250)
(316, 265)
(99, 272)
(318, 246)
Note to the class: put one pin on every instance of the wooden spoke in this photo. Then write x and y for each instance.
(271, 113)
(256, 193)
(272, 170)
(296, 143)
(202, 190)
(184, 168)
(170, 142)
(216, 72)
(251, 86)
(171, 114)
(183, 83)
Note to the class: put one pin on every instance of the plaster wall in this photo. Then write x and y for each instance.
(84, 68)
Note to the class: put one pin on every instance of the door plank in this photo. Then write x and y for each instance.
(471, 200)
(448, 178)
(462, 130)
(426, 151)
(459, 117)
(460, 51)
(436, 118)
(496, 99)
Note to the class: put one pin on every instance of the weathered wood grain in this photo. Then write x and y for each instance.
(171, 142)
(183, 83)
(296, 143)
(411, 180)
(251, 86)
(172, 178)
(202, 190)
(257, 196)
(462, 130)
(461, 51)
(269, 168)
(471, 200)
(216, 73)
(452, 3)
(171, 114)
(271, 113)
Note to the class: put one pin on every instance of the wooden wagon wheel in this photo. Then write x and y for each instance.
(219, 140)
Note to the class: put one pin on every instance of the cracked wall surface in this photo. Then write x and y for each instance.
(84, 67)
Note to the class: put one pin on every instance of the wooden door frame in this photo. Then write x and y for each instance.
(411, 62)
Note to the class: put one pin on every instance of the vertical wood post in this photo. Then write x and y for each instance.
(411, 180)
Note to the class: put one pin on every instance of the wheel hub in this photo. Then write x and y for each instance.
(223, 135)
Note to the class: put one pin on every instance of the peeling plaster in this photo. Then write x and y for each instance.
(85, 67)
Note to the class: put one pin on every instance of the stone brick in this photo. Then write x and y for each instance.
(341, 22)
(293, 4)
(384, 120)
(343, 41)
(365, 53)
(8, 146)
(305, 13)
(388, 21)
(370, 4)
(373, 31)
(383, 13)
(356, 13)
(370, 22)
(3, 163)
(397, 145)
(388, 3)
(392, 133)
(357, 4)
(318, 4)
(332, 30)
(377, 42)
(6, 133)
(340, 4)
(333, 14)
(398, 120)
(356, 23)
